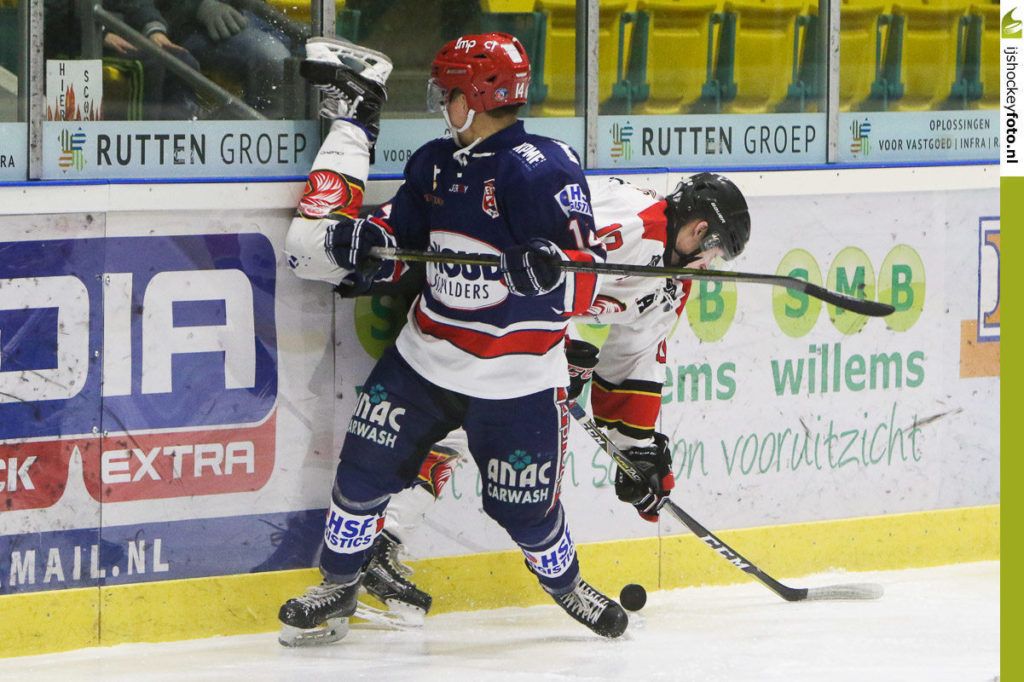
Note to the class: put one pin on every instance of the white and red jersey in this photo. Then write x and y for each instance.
(642, 311)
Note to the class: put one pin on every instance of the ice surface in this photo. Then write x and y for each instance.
(932, 625)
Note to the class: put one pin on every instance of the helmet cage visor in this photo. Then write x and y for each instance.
(713, 243)
(437, 97)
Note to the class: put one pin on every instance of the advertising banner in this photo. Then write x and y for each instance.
(165, 398)
(173, 399)
(167, 149)
(910, 136)
(782, 409)
(711, 140)
(13, 151)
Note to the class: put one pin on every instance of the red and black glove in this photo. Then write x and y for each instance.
(654, 462)
(582, 358)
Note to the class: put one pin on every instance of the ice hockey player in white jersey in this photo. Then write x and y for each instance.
(704, 218)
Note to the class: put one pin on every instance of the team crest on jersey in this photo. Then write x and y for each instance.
(330, 192)
(490, 201)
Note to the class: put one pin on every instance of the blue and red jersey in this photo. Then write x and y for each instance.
(466, 332)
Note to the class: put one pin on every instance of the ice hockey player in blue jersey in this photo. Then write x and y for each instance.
(484, 347)
(704, 218)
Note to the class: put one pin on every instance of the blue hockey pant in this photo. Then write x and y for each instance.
(517, 443)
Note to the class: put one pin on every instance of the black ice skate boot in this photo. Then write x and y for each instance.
(599, 613)
(352, 78)
(387, 579)
(320, 616)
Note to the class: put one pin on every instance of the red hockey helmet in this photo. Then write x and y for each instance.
(490, 69)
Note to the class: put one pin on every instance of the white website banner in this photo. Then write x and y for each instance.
(716, 140)
(75, 150)
(13, 151)
(911, 136)
(1010, 162)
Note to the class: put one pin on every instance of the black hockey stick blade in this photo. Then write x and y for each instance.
(839, 300)
(852, 591)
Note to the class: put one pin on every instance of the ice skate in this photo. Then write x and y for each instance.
(599, 613)
(320, 616)
(387, 580)
(369, 64)
(353, 79)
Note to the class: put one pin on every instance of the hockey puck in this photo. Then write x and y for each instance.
(633, 597)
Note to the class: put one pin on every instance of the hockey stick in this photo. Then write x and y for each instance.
(849, 591)
(844, 301)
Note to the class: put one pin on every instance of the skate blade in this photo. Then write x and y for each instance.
(397, 617)
(333, 630)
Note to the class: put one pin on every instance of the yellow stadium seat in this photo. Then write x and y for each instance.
(677, 39)
(764, 54)
(501, 6)
(858, 46)
(928, 68)
(560, 53)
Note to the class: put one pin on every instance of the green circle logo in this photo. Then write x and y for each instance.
(851, 274)
(378, 320)
(795, 312)
(711, 308)
(901, 284)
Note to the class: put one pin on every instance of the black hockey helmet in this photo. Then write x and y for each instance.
(716, 199)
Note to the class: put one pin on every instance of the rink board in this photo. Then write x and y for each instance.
(172, 401)
(239, 604)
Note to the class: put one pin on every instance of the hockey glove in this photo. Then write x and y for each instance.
(351, 241)
(654, 462)
(533, 269)
(220, 19)
(582, 357)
